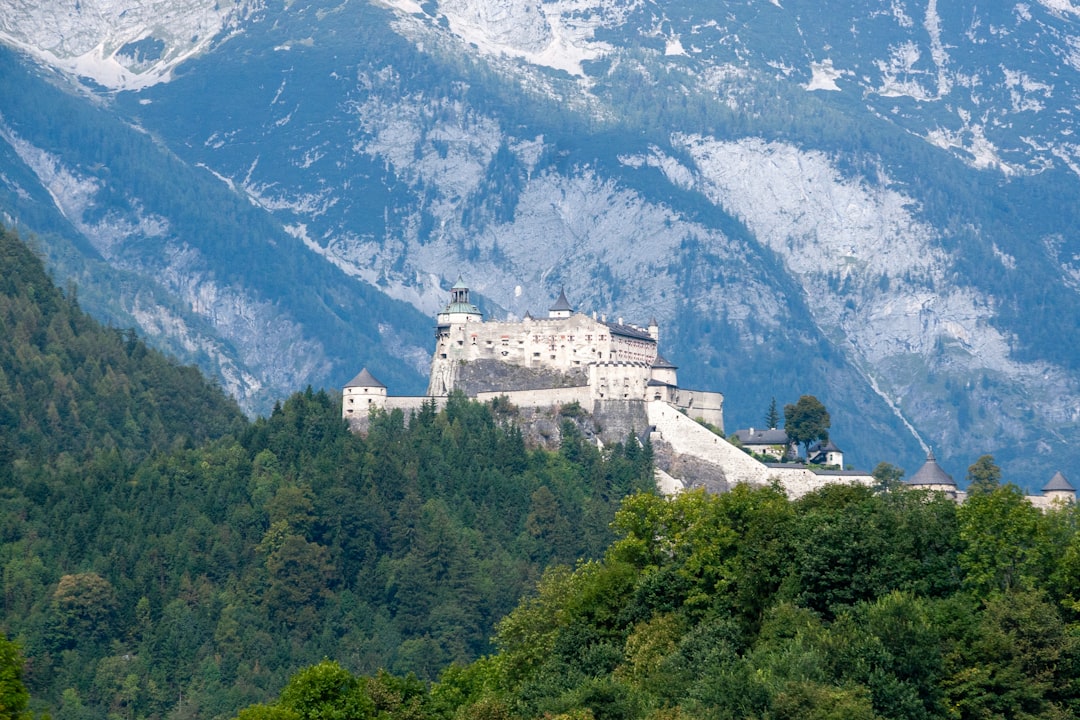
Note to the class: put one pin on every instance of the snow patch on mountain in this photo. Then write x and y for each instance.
(823, 76)
(1060, 6)
(119, 45)
(559, 34)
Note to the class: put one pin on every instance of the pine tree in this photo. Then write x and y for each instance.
(772, 417)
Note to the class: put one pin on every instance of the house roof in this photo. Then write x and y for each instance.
(930, 474)
(756, 436)
(1058, 482)
(561, 303)
(365, 379)
(829, 446)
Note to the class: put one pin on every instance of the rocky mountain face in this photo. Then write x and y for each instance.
(872, 202)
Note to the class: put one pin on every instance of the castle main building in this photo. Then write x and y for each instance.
(566, 357)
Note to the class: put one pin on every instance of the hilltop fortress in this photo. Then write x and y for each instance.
(614, 371)
(610, 368)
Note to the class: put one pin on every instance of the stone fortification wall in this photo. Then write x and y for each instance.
(493, 376)
(709, 406)
(695, 450)
(547, 397)
(688, 438)
(617, 380)
(617, 418)
(798, 481)
(360, 422)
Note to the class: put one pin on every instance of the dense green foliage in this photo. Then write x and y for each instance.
(847, 603)
(162, 556)
(202, 578)
(70, 389)
(807, 421)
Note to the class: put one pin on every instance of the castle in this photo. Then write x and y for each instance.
(540, 362)
(615, 371)
(610, 368)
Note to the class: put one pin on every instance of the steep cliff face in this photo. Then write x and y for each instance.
(878, 210)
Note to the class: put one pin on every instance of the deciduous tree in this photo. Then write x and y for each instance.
(806, 421)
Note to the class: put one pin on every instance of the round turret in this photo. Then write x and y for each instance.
(361, 394)
(931, 477)
(1059, 488)
(459, 309)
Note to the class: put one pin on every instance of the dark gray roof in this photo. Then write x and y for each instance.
(561, 303)
(756, 436)
(1058, 482)
(628, 331)
(659, 383)
(365, 379)
(829, 446)
(661, 362)
(931, 474)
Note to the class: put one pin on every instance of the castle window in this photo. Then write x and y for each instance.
(536, 355)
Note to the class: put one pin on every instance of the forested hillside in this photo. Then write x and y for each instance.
(71, 388)
(163, 557)
(847, 604)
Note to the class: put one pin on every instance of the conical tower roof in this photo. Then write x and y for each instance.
(561, 303)
(1058, 482)
(460, 284)
(931, 474)
(365, 379)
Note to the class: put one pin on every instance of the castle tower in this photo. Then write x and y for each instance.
(561, 309)
(455, 338)
(931, 477)
(664, 372)
(1059, 488)
(459, 310)
(361, 394)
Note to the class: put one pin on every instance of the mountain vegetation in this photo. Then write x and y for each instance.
(161, 555)
(845, 604)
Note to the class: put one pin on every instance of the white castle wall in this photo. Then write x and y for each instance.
(618, 380)
(356, 402)
(688, 437)
(559, 343)
(543, 398)
(709, 406)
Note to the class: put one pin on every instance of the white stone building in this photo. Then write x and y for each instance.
(566, 357)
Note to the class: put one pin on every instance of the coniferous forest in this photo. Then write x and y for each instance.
(164, 557)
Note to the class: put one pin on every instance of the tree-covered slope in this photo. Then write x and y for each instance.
(846, 604)
(163, 556)
(70, 387)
